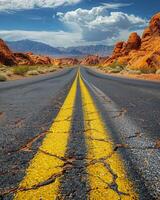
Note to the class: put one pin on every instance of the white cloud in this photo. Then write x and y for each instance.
(95, 26)
(99, 24)
(30, 4)
(115, 5)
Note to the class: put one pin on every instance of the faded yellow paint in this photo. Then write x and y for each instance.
(47, 165)
(105, 169)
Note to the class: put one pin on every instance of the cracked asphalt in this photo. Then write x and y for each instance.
(79, 134)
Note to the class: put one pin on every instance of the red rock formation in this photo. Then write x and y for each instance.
(134, 42)
(23, 59)
(92, 60)
(118, 48)
(39, 59)
(140, 53)
(65, 61)
(154, 25)
(6, 55)
(153, 29)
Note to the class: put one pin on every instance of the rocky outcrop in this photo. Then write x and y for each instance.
(118, 48)
(23, 59)
(39, 59)
(6, 55)
(134, 42)
(139, 53)
(31, 59)
(92, 60)
(65, 61)
(154, 25)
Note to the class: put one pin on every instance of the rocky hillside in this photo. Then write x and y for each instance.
(139, 53)
(92, 60)
(9, 58)
(6, 55)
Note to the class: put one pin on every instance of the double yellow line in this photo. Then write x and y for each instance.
(106, 173)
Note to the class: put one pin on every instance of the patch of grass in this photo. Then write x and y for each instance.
(33, 73)
(3, 77)
(21, 70)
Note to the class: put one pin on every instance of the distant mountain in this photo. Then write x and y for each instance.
(44, 49)
(101, 50)
(32, 46)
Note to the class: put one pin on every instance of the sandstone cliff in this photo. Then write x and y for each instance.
(139, 53)
(6, 55)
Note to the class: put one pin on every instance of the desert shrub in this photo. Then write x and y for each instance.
(148, 71)
(158, 71)
(52, 70)
(117, 65)
(33, 73)
(21, 70)
(2, 66)
(9, 73)
(116, 69)
(134, 71)
(41, 71)
(3, 77)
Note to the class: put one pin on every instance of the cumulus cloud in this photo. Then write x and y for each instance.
(98, 23)
(30, 4)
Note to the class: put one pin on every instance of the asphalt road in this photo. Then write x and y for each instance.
(79, 134)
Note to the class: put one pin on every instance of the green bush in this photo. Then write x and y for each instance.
(21, 70)
(3, 77)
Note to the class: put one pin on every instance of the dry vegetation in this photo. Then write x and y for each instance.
(18, 72)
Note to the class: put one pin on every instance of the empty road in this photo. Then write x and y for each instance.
(78, 134)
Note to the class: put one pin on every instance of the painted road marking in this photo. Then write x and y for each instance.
(42, 179)
(106, 172)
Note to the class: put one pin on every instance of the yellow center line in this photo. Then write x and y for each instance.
(42, 179)
(105, 168)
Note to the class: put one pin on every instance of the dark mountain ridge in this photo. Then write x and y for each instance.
(45, 49)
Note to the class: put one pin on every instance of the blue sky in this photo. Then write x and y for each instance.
(74, 22)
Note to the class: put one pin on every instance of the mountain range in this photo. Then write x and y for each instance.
(44, 49)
